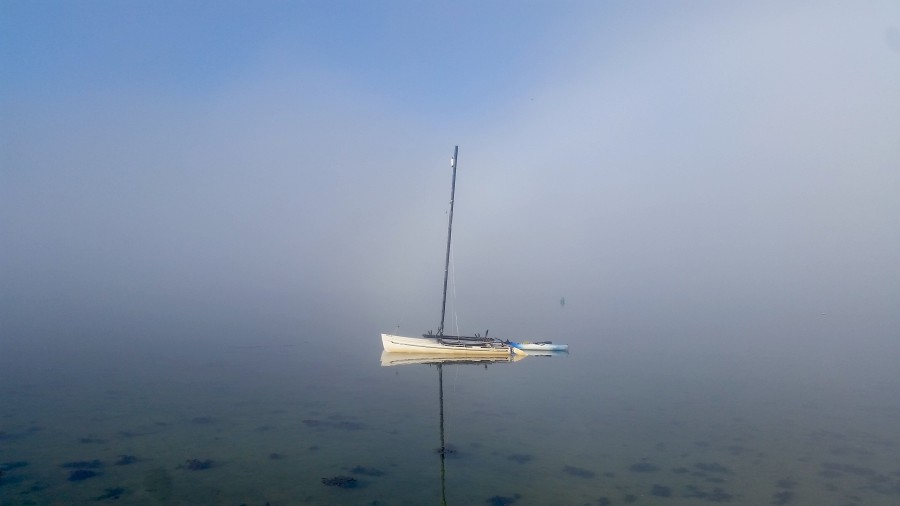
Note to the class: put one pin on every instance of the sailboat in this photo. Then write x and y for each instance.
(440, 343)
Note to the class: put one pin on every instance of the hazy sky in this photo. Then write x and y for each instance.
(720, 169)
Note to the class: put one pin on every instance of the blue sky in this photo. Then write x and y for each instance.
(717, 165)
(411, 51)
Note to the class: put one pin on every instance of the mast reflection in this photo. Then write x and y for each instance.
(391, 359)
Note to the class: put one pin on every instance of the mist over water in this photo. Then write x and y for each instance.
(208, 216)
(275, 406)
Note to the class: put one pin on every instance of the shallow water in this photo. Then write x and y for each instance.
(263, 420)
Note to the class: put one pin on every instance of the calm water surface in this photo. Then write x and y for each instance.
(250, 419)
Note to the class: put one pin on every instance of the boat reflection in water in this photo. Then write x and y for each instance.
(389, 359)
(539, 353)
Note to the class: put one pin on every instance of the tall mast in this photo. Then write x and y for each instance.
(449, 235)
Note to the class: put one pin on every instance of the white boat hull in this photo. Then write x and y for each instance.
(431, 345)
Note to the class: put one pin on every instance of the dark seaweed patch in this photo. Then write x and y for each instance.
(91, 440)
(630, 498)
(124, 460)
(276, 456)
(82, 474)
(198, 465)
(604, 501)
(661, 491)
(785, 483)
(9, 466)
(579, 472)
(499, 500)
(714, 495)
(341, 482)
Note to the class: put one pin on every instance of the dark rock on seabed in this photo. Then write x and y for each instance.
(124, 460)
(579, 472)
(661, 491)
(520, 458)
(499, 500)
(198, 465)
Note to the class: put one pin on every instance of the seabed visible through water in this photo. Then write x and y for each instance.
(278, 424)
